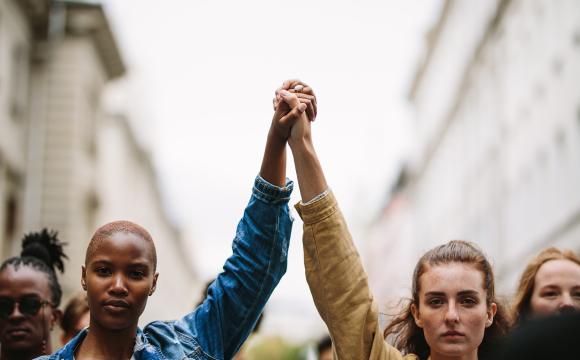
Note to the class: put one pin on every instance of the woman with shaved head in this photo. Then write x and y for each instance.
(120, 273)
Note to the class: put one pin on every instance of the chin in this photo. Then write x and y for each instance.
(454, 349)
(18, 345)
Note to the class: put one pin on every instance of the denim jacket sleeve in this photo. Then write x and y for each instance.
(237, 297)
(339, 284)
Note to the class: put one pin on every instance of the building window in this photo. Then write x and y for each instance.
(1, 58)
(93, 99)
(91, 209)
(18, 81)
(557, 66)
(10, 219)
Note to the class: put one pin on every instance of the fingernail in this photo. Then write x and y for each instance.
(284, 93)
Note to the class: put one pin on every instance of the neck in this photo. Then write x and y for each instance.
(102, 343)
(26, 354)
(470, 356)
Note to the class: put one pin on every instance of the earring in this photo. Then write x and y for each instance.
(44, 347)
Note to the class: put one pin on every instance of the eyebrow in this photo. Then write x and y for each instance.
(142, 264)
(550, 286)
(460, 293)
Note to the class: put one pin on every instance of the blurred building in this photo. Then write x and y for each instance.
(64, 162)
(127, 188)
(497, 109)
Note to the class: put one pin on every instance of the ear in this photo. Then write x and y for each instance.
(416, 315)
(55, 317)
(154, 286)
(490, 314)
(83, 277)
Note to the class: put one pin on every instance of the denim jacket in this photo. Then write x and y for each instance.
(219, 326)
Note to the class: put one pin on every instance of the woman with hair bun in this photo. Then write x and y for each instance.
(29, 297)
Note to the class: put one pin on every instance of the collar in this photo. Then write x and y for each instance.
(68, 350)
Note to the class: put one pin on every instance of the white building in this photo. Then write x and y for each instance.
(127, 189)
(64, 163)
(17, 36)
(497, 107)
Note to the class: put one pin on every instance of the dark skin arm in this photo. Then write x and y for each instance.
(273, 167)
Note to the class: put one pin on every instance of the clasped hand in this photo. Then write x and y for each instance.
(294, 109)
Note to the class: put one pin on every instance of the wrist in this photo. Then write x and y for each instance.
(276, 136)
(303, 143)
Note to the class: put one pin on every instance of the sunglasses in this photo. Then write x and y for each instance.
(27, 305)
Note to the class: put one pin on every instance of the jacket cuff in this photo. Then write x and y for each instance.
(270, 193)
(318, 210)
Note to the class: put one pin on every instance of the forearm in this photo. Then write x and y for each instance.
(273, 168)
(311, 180)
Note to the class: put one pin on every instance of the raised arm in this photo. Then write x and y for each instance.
(334, 271)
(235, 300)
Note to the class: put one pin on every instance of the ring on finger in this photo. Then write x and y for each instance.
(298, 88)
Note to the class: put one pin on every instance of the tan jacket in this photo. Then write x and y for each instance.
(339, 285)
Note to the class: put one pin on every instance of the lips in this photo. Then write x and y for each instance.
(17, 332)
(452, 334)
(117, 303)
(116, 306)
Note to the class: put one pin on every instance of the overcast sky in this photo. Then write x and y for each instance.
(201, 76)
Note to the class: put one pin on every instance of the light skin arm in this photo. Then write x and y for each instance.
(311, 178)
(334, 271)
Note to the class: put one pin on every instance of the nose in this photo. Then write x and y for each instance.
(567, 305)
(118, 287)
(15, 314)
(452, 315)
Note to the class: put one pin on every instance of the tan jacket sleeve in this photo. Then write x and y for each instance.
(339, 284)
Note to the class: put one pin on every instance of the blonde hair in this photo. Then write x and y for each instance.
(521, 304)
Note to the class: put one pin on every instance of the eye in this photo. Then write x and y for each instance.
(435, 302)
(550, 294)
(469, 301)
(103, 271)
(136, 274)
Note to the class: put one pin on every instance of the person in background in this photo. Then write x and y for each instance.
(75, 317)
(30, 295)
(453, 312)
(550, 284)
(324, 348)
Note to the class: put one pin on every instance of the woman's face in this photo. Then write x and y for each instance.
(556, 288)
(452, 309)
(118, 278)
(24, 333)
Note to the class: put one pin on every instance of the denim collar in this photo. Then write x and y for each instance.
(68, 351)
